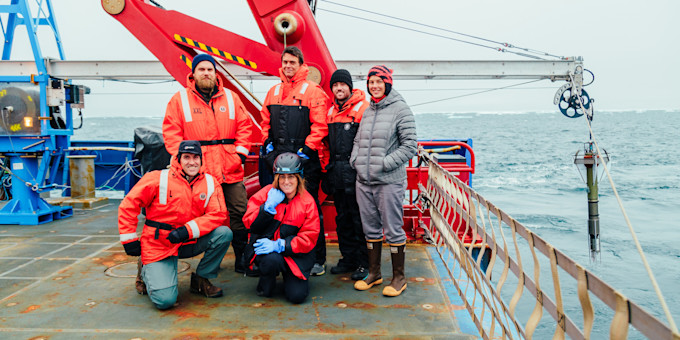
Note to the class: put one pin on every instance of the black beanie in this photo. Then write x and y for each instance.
(199, 58)
(342, 76)
(189, 146)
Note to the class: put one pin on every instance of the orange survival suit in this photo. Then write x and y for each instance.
(294, 116)
(171, 202)
(222, 126)
(343, 123)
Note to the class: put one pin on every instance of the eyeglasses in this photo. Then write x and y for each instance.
(287, 177)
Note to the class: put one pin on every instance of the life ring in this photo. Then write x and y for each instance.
(285, 24)
(289, 26)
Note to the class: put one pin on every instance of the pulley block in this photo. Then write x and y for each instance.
(569, 102)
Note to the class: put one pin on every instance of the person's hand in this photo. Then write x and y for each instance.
(178, 235)
(269, 148)
(274, 197)
(304, 152)
(133, 248)
(265, 246)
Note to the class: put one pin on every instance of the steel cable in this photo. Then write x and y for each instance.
(657, 290)
(475, 93)
(507, 45)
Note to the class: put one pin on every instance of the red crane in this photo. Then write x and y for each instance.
(175, 38)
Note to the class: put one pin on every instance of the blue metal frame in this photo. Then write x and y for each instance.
(17, 7)
(33, 159)
(106, 163)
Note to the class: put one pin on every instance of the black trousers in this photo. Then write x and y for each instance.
(351, 239)
(312, 174)
(295, 289)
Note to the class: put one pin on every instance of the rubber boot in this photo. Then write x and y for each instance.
(374, 277)
(238, 243)
(201, 285)
(398, 283)
(140, 286)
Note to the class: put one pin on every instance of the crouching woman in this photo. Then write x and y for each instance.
(284, 221)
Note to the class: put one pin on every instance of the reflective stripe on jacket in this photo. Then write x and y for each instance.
(343, 123)
(296, 221)
(189, 117)
(297, 93)
(170, 199)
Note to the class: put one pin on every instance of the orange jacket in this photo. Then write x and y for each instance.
(224, 118)
(299, 92)
(350, 110)
(170, 199)
(296, 221)
(343, 123)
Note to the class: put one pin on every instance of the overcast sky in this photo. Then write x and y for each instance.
(632, 48)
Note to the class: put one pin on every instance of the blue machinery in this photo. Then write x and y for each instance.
(34, 136)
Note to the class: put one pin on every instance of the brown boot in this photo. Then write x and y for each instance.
(398, 283)
(140, 286)
(200, 285)
(374, 277)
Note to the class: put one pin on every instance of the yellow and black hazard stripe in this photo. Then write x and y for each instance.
(213, 50)
(186, 60)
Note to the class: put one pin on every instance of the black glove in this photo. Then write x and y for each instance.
(308, 151)
(133, 248)
(178, 235)
(242, 157)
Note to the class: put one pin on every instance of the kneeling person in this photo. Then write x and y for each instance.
(285, 219)
(184, 215)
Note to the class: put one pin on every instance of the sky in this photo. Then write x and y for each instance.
(631, 48)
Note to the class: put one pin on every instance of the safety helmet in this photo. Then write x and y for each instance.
(287, 163)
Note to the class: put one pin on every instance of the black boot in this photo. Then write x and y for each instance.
(238, 243)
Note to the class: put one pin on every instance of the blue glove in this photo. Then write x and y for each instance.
(269, 148)
(302, 154)
(274, 197)
(265, 246)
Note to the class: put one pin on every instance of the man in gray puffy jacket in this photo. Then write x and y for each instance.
(385, 142)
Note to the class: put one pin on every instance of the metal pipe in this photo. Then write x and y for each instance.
(100, 148)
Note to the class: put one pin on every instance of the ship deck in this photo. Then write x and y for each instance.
(71, 279)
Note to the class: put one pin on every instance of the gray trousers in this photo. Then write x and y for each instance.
(382, 211)
(161, 277)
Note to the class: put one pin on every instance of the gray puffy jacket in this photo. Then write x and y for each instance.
(385, 142)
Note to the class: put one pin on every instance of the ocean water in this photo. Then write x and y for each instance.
(525, 166)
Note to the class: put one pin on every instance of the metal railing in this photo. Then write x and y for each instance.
(455, 210)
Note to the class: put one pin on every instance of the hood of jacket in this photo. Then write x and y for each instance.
(176, 168)
(356, 96)
(299, 76)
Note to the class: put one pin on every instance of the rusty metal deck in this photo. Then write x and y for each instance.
(54, 285)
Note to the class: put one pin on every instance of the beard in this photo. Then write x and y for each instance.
(206, 84)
